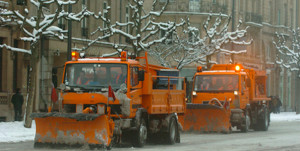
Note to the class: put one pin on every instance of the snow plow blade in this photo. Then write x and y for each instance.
(73, 129)
(204, 118)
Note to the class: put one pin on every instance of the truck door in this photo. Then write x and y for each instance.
(244, 92)
(135, 88)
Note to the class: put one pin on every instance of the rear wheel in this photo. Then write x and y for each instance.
(171, 134)
(246, 123)
(263, 122)
(141, 135)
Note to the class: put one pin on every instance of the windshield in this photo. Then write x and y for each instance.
(216, 83)
(95, 75)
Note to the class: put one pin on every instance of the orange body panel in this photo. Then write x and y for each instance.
(69, 131)
(165, 101)
(205, 118)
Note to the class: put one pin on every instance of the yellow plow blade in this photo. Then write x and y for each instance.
(205, 118)
(73, 128)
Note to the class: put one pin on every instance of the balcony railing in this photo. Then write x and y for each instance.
(253, 17)
(208, 7)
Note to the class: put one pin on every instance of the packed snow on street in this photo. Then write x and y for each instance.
(16, 132)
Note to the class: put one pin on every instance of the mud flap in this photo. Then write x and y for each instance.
(205, 118)
(73, 129)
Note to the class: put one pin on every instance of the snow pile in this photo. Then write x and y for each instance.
(285, 116)
(16, 132)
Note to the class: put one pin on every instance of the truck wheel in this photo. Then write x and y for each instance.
(263, 123)
(177, 139)
(171, 135)
(141, 134)
(246, 123)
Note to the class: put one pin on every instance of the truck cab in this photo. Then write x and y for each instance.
(245, 89)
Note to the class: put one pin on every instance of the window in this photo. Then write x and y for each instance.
(216, 83)
(194, 5)
(268, 53)
(169, 38)
(105, 14)
(292, 18)
(61, 23)
(278, 17)
(271, 12)
(90, 76)
(285, 15)
(127, 19)
(21, 2)
(134, 79)
(193, 36)
(84, 29)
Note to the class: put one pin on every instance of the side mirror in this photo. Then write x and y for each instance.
(141, 75)
(62, 87)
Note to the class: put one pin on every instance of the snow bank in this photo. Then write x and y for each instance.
(285, 116)
(16, 132)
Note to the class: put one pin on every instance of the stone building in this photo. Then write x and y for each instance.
(264, 17)
(14, 68)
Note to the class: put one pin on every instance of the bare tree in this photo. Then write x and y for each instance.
(140, 31)
(191, 47)
(288, 50)
(288, 55)
(33, 28)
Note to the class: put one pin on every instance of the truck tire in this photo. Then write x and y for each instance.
(141, 135)
(171, 134)
(263, 122)
(246, 123)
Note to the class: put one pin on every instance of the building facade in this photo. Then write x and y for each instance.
(264, 18)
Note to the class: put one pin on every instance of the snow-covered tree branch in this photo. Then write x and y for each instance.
(288, 50)
(141, 28)
(190, 46)
(35, 25)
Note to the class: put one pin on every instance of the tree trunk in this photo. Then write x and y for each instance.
(297, 95)
(208, 64)
(32, 88)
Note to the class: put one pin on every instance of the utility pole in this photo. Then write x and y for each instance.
(69, 35)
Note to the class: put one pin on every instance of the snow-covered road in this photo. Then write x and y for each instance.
(283, 134)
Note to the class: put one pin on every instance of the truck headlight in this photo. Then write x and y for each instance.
(194, 93)
(235, 93)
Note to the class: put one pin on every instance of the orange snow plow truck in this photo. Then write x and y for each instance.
(227, 96)
(107, 101)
